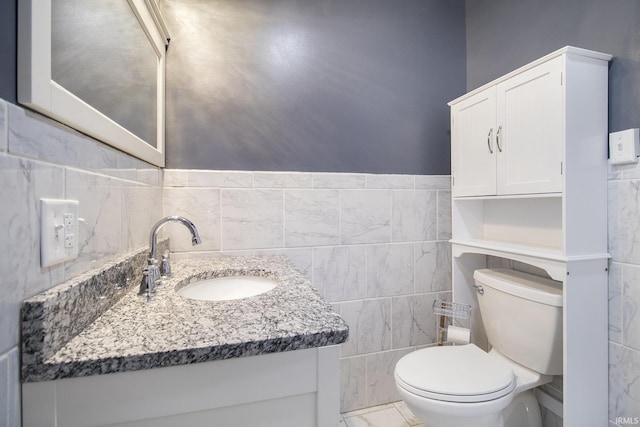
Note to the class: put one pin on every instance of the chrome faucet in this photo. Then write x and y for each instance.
(152, 272)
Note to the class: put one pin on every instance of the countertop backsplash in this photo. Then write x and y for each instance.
(54, 317)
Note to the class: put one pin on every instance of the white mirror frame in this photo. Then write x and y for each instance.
(36, 90)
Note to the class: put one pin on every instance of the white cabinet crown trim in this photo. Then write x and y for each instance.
(571, 50)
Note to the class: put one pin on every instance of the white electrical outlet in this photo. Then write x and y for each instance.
(58, 231)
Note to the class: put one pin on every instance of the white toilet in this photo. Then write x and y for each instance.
(463, 386)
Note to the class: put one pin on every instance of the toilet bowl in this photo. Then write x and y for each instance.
(464, 386)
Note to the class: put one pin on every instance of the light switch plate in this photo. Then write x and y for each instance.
(624, 147)
(58, 231)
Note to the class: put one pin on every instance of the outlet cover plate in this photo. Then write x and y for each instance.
(624, 147)
(58, 231)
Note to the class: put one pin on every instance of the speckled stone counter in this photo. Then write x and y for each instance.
(172, 330)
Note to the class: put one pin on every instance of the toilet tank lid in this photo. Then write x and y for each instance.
(523, 285)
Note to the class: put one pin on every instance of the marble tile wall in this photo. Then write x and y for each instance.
(624, 294)
(373, 245)
(120, 199)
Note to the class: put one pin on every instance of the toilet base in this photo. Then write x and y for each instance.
(522, 411)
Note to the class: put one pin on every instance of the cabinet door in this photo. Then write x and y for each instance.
(473, 150)
(530, 131)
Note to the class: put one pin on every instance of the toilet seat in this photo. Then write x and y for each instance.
(455, 374)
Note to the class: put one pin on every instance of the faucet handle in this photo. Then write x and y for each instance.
(165, 266)
(147, 285)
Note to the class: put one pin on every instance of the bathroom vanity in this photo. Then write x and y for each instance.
(268, 360)
(529, 183)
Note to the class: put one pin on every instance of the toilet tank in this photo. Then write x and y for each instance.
(522, 315)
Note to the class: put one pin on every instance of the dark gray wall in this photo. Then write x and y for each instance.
(8, 46)
(505, 34)
(323, 85)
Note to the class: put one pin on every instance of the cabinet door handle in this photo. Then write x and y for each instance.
(489, 140)
(499, 138)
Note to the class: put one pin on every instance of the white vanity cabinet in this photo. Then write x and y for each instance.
(287, 389)
(529, 166)
(507, 138)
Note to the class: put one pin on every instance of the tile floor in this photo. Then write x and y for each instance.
(390, 415)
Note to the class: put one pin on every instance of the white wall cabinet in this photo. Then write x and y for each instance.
(473, 150)
(507, 138)
(529, 166)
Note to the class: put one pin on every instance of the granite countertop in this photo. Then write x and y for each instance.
(172, 330)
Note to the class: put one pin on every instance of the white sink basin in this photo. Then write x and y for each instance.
(227, 288)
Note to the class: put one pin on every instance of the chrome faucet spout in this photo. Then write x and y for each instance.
(152, 273)
(153, 236)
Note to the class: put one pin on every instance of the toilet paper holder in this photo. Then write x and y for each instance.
(450, 310)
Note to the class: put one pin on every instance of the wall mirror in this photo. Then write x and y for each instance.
(97, 66)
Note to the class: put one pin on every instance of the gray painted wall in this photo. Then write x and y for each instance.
(334, 86)
(505, 34)
(8, 46)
